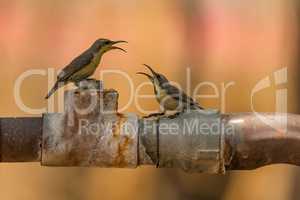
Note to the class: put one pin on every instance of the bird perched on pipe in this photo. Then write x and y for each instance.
(85, 64)
(169, 96)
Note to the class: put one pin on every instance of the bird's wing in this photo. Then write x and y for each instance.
(84, 59)
(179, 95)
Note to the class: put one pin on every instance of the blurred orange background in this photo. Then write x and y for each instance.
(221, 41)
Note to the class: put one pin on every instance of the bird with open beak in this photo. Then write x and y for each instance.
(169, 96)
(85, 64)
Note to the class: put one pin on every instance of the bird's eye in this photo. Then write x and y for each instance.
(107, 42)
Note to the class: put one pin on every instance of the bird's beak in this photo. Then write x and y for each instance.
(119, 41)
(152, 71)
(142, 73)
(115, 47)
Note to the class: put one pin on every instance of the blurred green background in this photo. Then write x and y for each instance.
(220, 40)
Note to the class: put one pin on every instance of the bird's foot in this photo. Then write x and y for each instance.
(89, 83)
(155, 115)
(170, 116)
(90, 79)
(173, 116)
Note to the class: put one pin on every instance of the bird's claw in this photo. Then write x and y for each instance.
(174, 115)
(89, 83)
(155, 115)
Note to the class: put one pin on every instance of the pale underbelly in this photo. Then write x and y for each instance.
(169, 103)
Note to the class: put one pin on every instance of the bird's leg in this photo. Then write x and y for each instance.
(174, 115)
(77, 84)
(82, 85)
(88, 83)
(84, 82)
(156, 114)
(90, 79)
(79, 87)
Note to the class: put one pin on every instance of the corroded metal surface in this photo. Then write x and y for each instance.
(262, 139)
(148, 143)
(190, 141)
(90, 132)
(20, 139)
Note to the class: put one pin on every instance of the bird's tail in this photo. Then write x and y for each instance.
(195, 106)
(54, 88)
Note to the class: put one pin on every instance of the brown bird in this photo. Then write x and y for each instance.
(169, 96)
(85, 64)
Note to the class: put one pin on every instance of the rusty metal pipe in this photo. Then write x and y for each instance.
(20, 139)
(254, 144)
(192, 141)
(257, 142)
